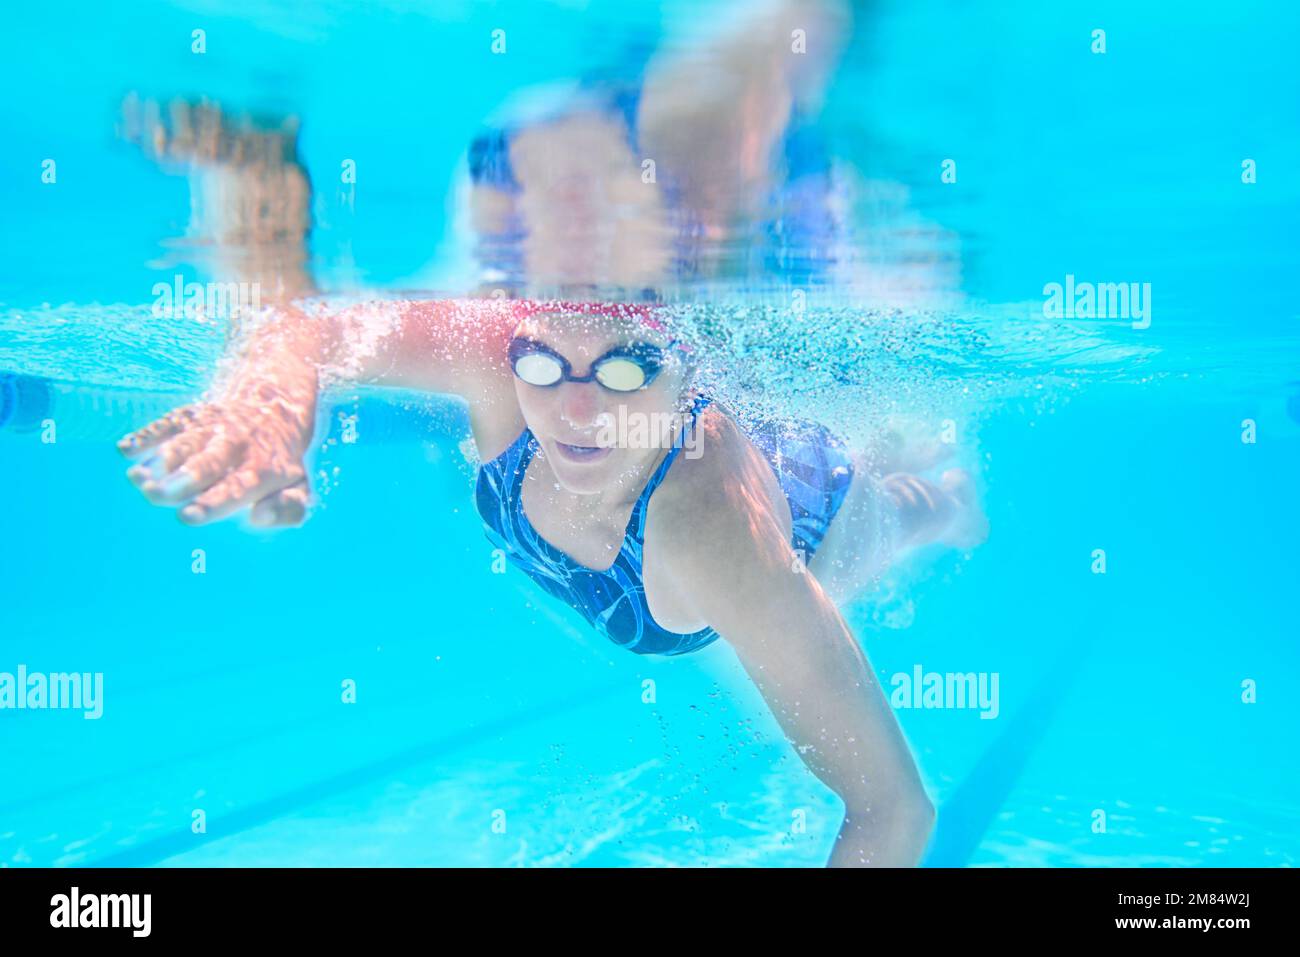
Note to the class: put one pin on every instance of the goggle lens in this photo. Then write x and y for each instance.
(537, 368)
(617, 370)
(621, 374)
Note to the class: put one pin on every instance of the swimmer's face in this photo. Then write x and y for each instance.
(593, 436)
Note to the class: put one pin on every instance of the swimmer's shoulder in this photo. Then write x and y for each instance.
(459, 347)
(713, 488)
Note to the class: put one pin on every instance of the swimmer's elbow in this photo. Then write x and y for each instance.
(913, 818)
(927, 815)
(920, 817)
(890, 831)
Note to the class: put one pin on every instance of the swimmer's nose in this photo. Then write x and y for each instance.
(581, 405)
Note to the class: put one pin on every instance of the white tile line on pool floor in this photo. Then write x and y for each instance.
(260, 812)
(975, 802)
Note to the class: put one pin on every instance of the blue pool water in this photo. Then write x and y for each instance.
(478, 698)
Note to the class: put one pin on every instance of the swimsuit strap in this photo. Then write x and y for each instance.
(523, 449)
(611, 600)
(637, 523)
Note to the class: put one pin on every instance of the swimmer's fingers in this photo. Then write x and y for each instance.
(242, 487)
(177, 451)
(220, 455)
(287, 507)
(153, 475)
(158, 431)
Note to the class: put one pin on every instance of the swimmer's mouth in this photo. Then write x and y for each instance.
(581, 453)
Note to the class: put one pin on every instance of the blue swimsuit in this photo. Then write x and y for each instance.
(812, 466)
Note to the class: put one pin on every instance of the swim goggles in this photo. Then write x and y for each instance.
(621, 369)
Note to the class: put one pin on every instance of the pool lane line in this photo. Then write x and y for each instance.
(182, 841)
(965, 817)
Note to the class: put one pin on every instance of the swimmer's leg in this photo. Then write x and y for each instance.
(250, 198)
(883, 518)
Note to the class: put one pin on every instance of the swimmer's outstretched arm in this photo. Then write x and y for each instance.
(244, 444)
(731, 557)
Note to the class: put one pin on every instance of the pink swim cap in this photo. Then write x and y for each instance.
(646, 314)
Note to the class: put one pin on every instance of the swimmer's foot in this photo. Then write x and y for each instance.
(947, 513)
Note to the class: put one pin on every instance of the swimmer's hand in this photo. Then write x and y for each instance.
(242, 448)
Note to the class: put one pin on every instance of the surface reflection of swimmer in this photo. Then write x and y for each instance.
(755, 537)
(250, 198)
